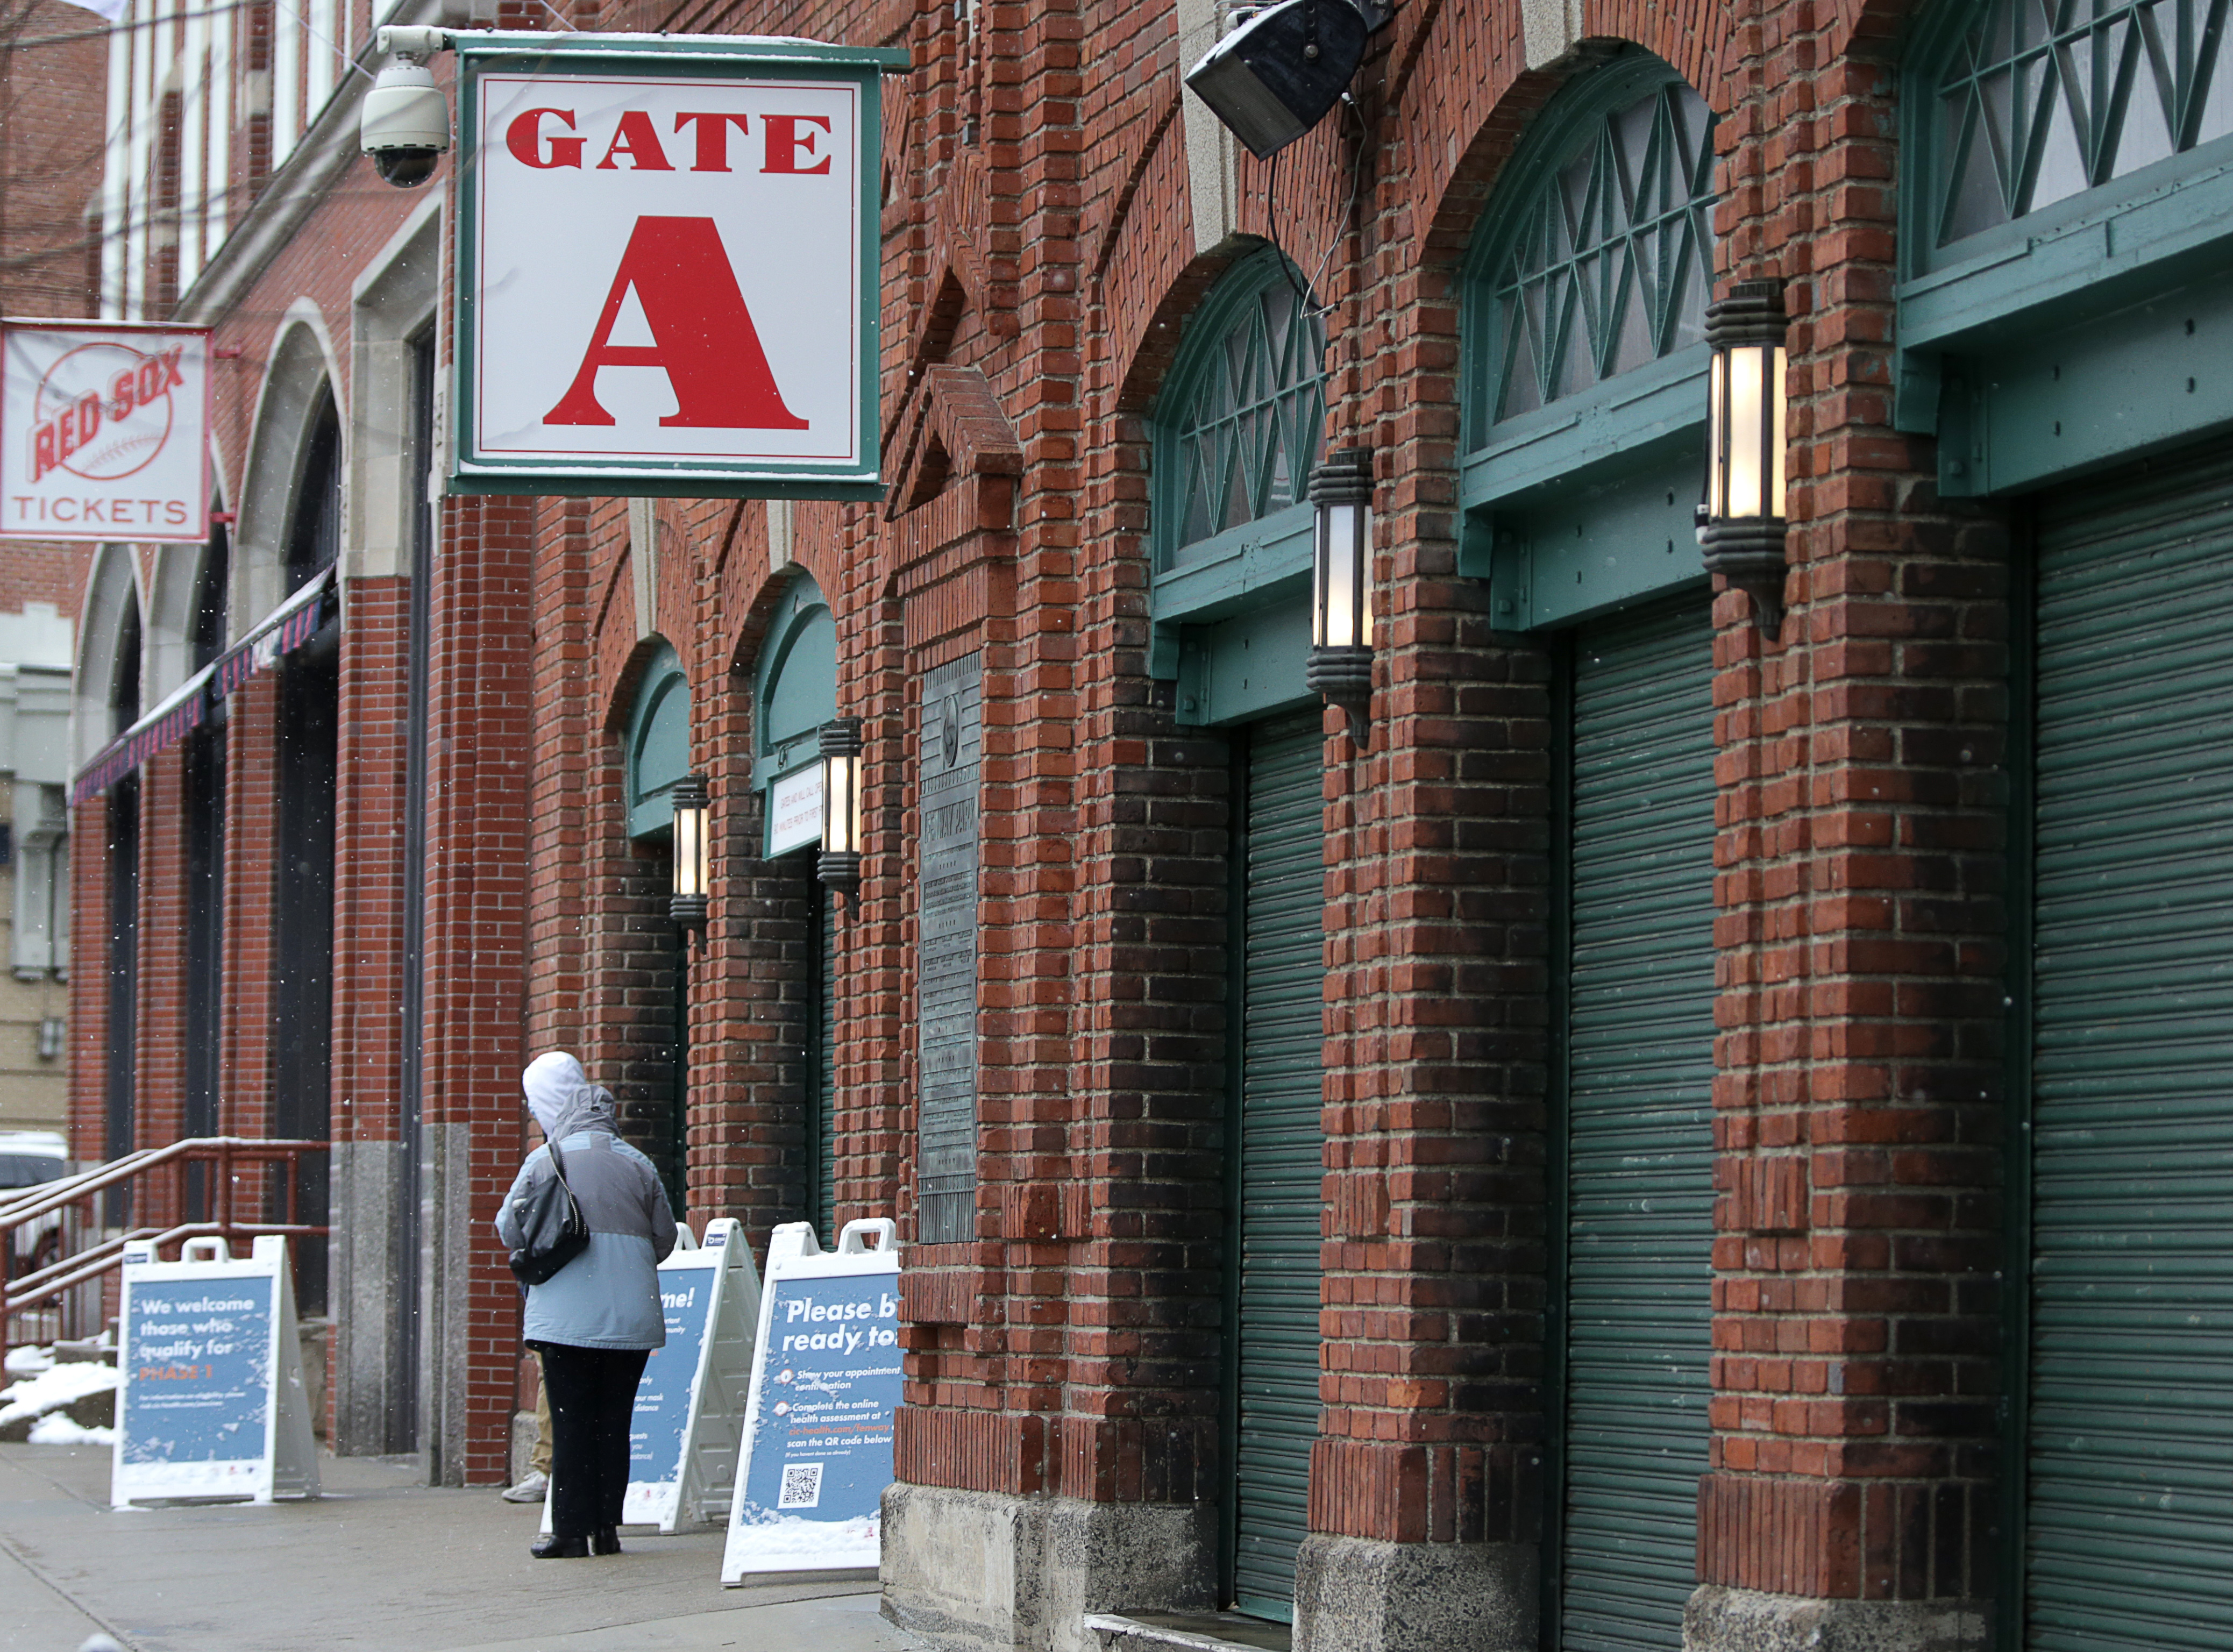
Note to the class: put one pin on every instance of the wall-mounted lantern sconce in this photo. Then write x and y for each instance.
(1340, 666)
(1741, 526)
(1275, 77)
(694, 851)
(840, 864)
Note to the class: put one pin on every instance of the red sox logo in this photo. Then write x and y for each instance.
(103, 411)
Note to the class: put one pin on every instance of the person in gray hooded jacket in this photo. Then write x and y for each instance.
(596, 1321)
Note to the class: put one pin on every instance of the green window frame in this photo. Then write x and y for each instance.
(657, 742)
(794, 683)
(1240, 421)
(1583, 375)
(2069, 172)
(1602, 262)
(1235, 433)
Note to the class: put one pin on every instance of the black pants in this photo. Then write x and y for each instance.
(592, 1397)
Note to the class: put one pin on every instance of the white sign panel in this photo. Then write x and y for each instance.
(795, 809)
(210, 1398)
(104, 428)
(826, 1379)
(669, 272)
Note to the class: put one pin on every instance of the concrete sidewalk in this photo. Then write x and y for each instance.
(379, 1562)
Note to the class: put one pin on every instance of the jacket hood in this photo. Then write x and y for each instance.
(562, 1100)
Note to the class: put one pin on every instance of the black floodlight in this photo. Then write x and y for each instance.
(1272, 79)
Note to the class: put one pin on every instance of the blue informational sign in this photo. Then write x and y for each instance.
(825, 1387)
(211, 1401)
(200, 1354)
(662, 1399)
(822, 1444)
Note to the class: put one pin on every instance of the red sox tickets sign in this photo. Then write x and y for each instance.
(105, 431)
(667, 266)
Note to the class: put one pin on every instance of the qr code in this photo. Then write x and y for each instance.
(802, 1487)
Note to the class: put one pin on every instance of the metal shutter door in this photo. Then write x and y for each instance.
(1638, 1139)
(2129, 1425)
(1279, 1169)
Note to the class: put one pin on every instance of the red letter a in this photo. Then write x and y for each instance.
(705, 341)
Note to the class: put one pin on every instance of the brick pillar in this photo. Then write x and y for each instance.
(161, 1041)
(367, 1349)
(1860, 926)
(88, 982)
(478, 797)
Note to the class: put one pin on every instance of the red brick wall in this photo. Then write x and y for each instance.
(53, 117)
(369, 863)
(1861, 924)
(479, 718)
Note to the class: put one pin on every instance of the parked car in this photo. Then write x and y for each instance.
(27, 1158)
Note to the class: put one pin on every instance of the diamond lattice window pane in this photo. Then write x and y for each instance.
(1608, 269)
(2045, 99)
(1255, 417)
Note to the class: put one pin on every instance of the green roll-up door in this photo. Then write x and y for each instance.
(1638, 1140)
(822, 1131)
(1277, 1168)
(2130, 1427)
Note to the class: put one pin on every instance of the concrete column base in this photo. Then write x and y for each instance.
(1357, 1595)
(979, 1572)
(1749, 1620)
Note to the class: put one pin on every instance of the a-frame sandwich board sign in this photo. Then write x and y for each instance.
(818, 1451)
(689, 1414)
(210, 1401)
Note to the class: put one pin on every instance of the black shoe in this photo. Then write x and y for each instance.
(606, 1539)
(561, 1548)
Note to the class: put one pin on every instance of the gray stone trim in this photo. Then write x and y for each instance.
(979, 1572)
(1359, 1594)
(1719, 1619)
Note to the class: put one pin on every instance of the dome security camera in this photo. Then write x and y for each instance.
(404, 126)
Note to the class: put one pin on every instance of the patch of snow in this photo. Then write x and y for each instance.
(55, 1429)
(54, 1387)
(29, 1362)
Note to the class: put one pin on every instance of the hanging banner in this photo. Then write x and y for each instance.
(818, 1424)
(287, 628)
(210, 1399)
(104, 427)
(667, 265)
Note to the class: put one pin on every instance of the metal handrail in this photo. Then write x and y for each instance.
(39, 1203)
(42, 1197)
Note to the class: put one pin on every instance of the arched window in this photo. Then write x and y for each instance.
(1584, 370)
(658, 743)
(2035, 100)
(1242, 417)
(795, 687)
(313, 537)
(1599, 257)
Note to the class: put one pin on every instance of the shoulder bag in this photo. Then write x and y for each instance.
(552, 1228)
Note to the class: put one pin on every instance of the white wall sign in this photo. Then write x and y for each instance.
(794, 809)
(667, 266)
(209, 1400)
(104, 431)
(818, 1426)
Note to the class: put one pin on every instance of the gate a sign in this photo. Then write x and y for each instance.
(104, 431)
(667, 260)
